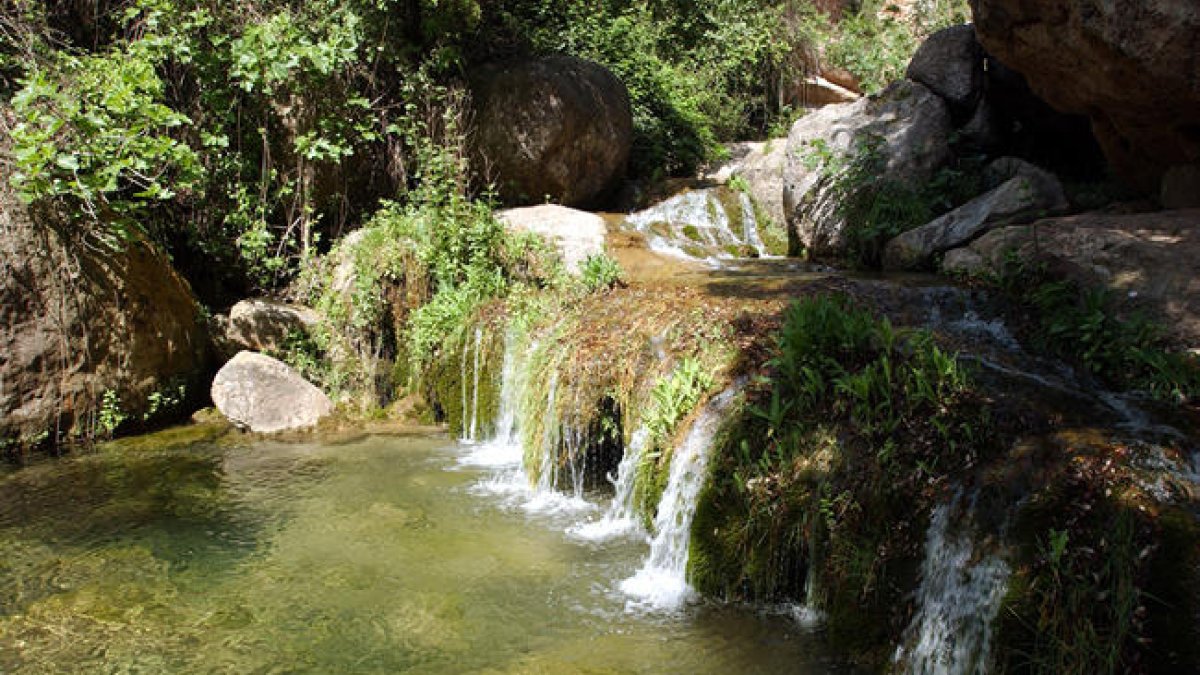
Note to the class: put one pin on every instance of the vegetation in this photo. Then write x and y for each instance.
(818, 483)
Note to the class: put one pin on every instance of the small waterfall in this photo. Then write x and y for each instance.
(620, 519)
(699, 224)
(958, 598)
(504, 449)
(750, 227)
(662, 581)
(463, 432)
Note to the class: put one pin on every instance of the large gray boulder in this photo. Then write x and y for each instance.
(1025, 194)
(263, 326)
(950, 64)
(558, 127)
(264, 395)
(86, 330)
(910, 128)
(576, 235)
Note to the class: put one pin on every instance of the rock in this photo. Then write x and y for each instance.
(1181, 187)
(264, 395)
(706, 224)
(950, 64)
(575, 234)
(1029, 193)
(1152, 259)
(557, 127)
(265, 325)
(80, 323)
(963, 261)
(760, 166)
(1131, 67)
(914, 128)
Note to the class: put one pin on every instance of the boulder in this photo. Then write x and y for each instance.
(1028, 194)
(575, 234)
(1151, 259)
(85, 329)
(1181, 187)
(760, 166)
(950, 64)
(264, 325)
(708, 224)
(912, 126)
(264, 395)
(557, 128)
(1131, 67)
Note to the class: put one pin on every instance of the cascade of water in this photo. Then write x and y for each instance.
(619, 519)
(750, 227)
(958, 598)
(661, 583)
(464, 433)
(504, 449)
(475, 388)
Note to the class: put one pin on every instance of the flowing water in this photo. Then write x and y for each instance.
(382, 554)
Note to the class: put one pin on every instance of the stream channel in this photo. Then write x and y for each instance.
(386, 553)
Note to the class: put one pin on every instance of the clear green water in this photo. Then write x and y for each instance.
(375, 555)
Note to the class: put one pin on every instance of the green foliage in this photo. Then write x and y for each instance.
(165, 401)
(93, 134)
(600, 271)
(110, 416)
(1127, 350)
(671, 399)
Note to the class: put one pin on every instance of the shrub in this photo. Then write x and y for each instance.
(600, 271)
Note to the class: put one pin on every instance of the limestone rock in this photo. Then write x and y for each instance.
(913, 126)
(816, 91)
(576, 234)
(1130, 66)
(1028, 194)
(265, 325)
(950, 64)
(1152, 259)
(556, 127)
(78, 320)
(264, 395)
(760, 165)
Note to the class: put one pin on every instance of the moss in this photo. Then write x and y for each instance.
(692, 233)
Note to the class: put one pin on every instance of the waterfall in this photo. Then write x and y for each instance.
(504, 449)
(464, 432)
(620, 519)
(958, 598)
(750, 227)
(661, 583)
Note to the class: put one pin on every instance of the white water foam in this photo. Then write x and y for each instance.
(958, 599)
(620, 519)
(661, 584)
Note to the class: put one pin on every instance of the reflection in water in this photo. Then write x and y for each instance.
(375, 556)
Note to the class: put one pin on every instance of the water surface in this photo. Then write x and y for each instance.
(383, 554)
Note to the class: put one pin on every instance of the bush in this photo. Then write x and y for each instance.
(600, 272)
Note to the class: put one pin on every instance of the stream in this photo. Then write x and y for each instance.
(408, 553)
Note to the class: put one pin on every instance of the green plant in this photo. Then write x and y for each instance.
(110, 416)
(600, 271)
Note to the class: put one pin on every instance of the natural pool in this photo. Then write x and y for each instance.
(379, 554)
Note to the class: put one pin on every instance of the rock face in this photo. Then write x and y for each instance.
(912, 126)
(263, 325)
(1151, 259)
(760, 165)
(950, 64)
(1029, 193)
(1130, 66)
(79, 322)
(557, 127)
(259, 393)
(575, 234)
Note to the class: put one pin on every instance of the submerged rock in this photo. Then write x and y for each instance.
(265, 395)
(86, 329)
(1129, 66)
(1028, 194)
(557, 128)
(911, 126)
(575, 234)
